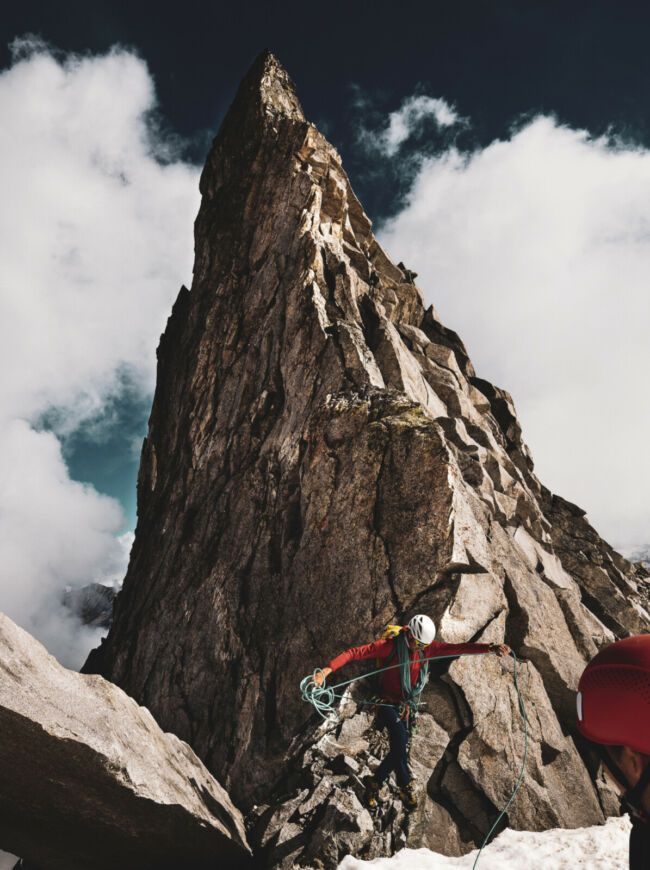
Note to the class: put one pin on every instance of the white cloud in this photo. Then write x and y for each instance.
(406, 121)
(95, 240)
(98, 236)
(55, 532)
(537, 251)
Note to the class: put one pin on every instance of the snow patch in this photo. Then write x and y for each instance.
(558, 849)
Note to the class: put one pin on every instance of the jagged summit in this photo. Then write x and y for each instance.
(321, 460)
(265, 90)
(268, 78)
(265, 95)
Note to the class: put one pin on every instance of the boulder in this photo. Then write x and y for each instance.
(88, 781)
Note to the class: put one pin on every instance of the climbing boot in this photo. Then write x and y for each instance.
(372, 791)
(407, 796)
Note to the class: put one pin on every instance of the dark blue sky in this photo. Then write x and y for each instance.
(495, 60)
(584, 60)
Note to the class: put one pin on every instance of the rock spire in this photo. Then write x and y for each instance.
(321, 460)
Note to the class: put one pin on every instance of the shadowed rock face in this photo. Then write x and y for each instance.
(322, 460)
(90, 782)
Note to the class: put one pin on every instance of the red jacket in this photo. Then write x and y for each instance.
(384, 649)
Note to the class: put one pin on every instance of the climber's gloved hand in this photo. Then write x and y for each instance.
(500, 649)
(321, 676)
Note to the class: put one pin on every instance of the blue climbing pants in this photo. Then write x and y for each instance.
(399, 734)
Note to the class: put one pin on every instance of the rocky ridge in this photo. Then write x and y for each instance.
(321, 460)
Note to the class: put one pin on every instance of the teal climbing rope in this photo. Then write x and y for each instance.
(323, 698)
(410, 694)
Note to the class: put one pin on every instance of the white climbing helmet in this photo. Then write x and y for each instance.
(422, 629)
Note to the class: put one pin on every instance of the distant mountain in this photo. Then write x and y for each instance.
(93, 604)
(639, 554)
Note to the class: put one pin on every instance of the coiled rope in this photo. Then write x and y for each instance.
(323, 698)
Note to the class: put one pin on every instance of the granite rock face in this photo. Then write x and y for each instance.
(323, 460)
(90, 782)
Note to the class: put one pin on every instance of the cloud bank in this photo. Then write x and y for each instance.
(95, 241)
(408, 120)
(536, 249)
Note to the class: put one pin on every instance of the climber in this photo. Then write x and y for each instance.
(394, 712)
(614, 715)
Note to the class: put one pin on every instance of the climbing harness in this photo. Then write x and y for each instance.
(323, 698)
